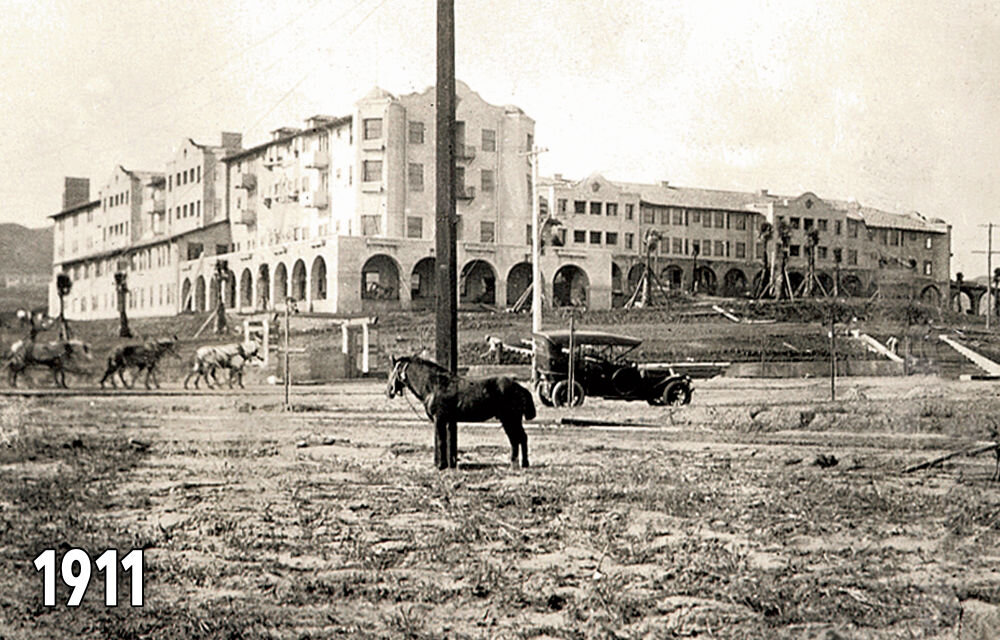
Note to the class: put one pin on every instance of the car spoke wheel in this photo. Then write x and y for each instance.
(676, 394)
(560, 394)
(543, 392)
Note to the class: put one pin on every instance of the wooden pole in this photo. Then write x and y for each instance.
(989, 273)
(570, 396)
(833, 355)
(975, 451)
(288, 371)
(446, 325)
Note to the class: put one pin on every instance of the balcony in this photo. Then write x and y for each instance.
(247, 181)
(316, 199)
(246, 215)
(154, 206)
(464, 152)
(316, 160)
(464, 192)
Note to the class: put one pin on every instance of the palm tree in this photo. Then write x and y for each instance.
(812, 241)
(764, 235)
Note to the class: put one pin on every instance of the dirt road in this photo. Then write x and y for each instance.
(329, 521)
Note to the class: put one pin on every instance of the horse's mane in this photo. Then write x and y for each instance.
(436, 370)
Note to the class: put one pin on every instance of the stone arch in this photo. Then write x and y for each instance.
(734, 283)
(634, 276)
(930, 295)
(263, 287)
(215, 291)
(707, 281)
(187, 300)
(246, 289)
(423, 285)
(317, 279)
(478, 283)
(795, 280)
(230, 290)
(851, 285)
(570, 287)
(300, 280)
(380, 278)
(280, 284)
(826, 280)
(963, 302)
(518, 281)
(672, 277)
(199, 294)
(617, 286)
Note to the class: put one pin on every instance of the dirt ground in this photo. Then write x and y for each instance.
(329, 521)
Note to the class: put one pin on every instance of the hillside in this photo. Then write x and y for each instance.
(25, 251)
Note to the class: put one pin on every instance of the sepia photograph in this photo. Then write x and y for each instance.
(535, 319)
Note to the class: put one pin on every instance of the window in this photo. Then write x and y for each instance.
(665, 216)
(487, 231)
(611, 208)
(741, 247)
(489, 140)
(579, 206)
(372, 171)
(373, 128)
(595, 237)
(706, 219)
(740, 222)
(720, 248)
(595, 208)
(720, 220)
(852, 256)
(695, 248)
(416, 132)
(794, 250)
(821, 225)
(414, 227)
(527, 235)
(416, 177)
(852, 228)
(579, 236)
(487, 180)
(629, 211)
(821, 253)
(678, 245)
(695, 217)
(562, 205)
(928, 242)
(836, 227)
(611, 238)
(170, 183)
(706, 247)
(883, 236)
(629, 241)
(678, 216)
(648, 216)
(198, 174)
(793, 223)
(894, 237)
(807, 224)
(928, 267)
(838, 255)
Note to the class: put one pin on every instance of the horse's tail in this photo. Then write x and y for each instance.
(527, 403)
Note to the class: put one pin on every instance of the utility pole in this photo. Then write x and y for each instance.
(536, 251)
(446, 325)
(989, 271)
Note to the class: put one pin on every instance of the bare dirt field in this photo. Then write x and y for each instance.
(711, 520)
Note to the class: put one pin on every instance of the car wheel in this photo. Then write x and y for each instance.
(676, 394)
(543, 392)
(560, 394)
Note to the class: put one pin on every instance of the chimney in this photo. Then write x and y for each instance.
(762, 193)
(232, 141)
(558, 177)
(665, 184)
(76, 191)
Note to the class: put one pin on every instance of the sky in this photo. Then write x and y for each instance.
(893, 103)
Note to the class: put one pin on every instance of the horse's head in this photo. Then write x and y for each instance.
(169, 345)
(78, 348)
(251, 350)
(397, 377)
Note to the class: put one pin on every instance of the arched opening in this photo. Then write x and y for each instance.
(672, 277)
(634, 276)
(617, 286)
(199, 294)
(795, 280)
(826, 280)
(187, 300)
(318, 279)
(851, 286)
(478, 283)
(706, 280)
(734, 283)
(246, 289)
(215, 289)
(570, 287)
(963, 302)
(280, 284)
(931, 295)
(299, 280)
(380, 278)
(230, 290)
(422, 283)
(263, 287)
(518, 281)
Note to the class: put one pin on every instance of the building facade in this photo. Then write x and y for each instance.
(338, 215)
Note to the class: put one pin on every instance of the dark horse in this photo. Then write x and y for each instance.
(448, 397)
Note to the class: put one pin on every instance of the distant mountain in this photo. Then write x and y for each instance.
(24, 251)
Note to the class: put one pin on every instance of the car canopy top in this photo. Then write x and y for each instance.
(593, 338)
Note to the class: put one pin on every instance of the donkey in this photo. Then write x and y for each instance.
(448, 398)
(56, 355)
(229, 356)
(141, 356)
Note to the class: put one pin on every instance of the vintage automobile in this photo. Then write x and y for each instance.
(602, 369)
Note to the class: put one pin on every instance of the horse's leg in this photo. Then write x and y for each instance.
(510, 428)
(149, 372)
(441, 457)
